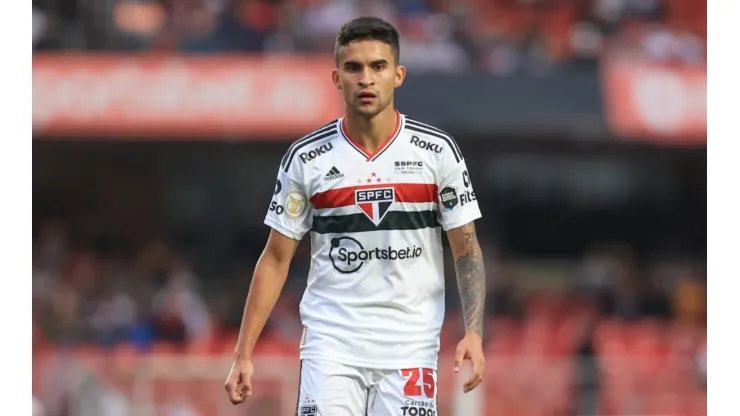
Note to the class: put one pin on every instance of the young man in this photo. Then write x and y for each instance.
(375, 189)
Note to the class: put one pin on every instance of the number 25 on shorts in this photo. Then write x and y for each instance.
(416, 378)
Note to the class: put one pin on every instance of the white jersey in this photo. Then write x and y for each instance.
(375, 291)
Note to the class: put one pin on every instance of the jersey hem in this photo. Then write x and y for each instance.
(282, 229)
(376, 365)
(460, 222)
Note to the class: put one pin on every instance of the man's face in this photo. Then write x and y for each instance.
(367, 74)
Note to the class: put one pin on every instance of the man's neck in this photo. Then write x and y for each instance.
(373, 132)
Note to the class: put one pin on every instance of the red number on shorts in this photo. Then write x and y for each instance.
(428, 381)
(412, 388)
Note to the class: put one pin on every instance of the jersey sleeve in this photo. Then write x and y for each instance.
(458, 204)
(289, 212)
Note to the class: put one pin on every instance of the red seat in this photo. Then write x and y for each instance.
(566, 335)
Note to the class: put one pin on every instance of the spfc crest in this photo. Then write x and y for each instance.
(375, 202)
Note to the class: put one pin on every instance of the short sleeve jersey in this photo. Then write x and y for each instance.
(375, 289)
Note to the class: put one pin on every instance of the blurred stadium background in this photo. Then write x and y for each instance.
(158, 126)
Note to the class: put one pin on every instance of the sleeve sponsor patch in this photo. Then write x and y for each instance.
(448, 197)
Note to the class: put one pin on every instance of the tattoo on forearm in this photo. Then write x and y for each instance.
(471, 281)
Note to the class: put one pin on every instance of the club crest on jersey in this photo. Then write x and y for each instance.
(375, 202)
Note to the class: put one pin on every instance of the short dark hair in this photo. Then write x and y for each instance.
(367, 28)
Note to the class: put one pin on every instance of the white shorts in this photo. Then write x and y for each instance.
(332, 389)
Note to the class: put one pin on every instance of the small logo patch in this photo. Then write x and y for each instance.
(333, 174)
(448, 198)
(295, 204)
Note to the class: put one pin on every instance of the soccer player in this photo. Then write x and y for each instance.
(375, 189)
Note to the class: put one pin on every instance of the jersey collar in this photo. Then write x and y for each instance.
(369, 157)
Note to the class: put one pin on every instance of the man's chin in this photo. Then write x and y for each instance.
(367, 111)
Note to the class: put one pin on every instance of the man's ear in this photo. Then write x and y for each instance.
(335, 79)
(400, 75)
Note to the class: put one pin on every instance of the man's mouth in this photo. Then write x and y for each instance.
(366, 97)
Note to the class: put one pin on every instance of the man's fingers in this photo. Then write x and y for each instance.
(247, 384)
(472, 383)
(477, 377)
(459, 357)
(239, 390)
(234, 394)
(479, 366)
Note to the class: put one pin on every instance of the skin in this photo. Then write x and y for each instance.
(366, 65)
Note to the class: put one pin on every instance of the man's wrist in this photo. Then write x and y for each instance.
(474, 335)
(242, 354)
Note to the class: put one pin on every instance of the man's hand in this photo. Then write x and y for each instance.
(268, 280)
(239, 383)
(471, 348)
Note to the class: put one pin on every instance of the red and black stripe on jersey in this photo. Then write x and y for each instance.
(393, 220)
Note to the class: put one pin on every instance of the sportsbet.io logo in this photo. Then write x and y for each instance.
(348, 255)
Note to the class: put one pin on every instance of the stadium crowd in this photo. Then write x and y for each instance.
(86, 294)
(495, 36)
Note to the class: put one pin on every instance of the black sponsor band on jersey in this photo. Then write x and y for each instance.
(322, 133)
(427, 130)
(359, 223)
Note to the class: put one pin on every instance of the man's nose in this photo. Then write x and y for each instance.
(366, 79)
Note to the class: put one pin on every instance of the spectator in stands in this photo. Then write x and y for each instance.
(114, 317)
(287, 36)
(180, 314)
(690, 297)
(503, 293)
(429, 45)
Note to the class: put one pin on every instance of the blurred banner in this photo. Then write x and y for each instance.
(250, 98)
(180, 97)
(661, 103)
(146, 96)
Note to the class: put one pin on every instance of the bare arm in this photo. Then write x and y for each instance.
(267, 283)
(471, 278)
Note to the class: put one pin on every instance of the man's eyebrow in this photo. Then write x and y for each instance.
(375, 62)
